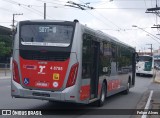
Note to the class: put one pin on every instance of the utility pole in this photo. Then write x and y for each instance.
(44, 11)
(154, 10)
(150, 48)
(13, 21)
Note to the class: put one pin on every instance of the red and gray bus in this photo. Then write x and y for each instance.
(68, 62)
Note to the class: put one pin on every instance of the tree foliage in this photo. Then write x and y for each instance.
(5, 45)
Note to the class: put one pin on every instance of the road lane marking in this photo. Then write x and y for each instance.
(148, 104)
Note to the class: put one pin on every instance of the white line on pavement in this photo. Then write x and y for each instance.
(148, 104)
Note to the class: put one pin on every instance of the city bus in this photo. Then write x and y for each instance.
(145, 65)
(66, 61)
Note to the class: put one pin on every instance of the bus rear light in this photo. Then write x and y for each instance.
(15, 72)
(72, 96)
(72, 75)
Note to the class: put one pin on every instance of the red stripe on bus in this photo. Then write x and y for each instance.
(46, 75)
(114, 84)
(99, 89)
(85, 92)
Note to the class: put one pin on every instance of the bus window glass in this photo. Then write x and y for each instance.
(86, 57)
(105, 56)
(145, 58)
(113, 60)
(46, 35)
(124, 60)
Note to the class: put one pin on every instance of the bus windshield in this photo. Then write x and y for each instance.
(145, 58)
(46, 35)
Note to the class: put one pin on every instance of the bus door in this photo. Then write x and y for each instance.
(95, 50)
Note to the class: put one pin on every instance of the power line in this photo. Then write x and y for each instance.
(79, 6)
(27, 7)
(106, 18)
(31, 5)
(51, 2)
(121, 8)
(83, 7)
(97, 18)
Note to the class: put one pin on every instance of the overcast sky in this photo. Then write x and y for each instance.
(112, 17)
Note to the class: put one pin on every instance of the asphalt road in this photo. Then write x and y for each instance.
(118, 101)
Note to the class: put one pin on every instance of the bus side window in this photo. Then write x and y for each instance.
(124, 60)
(113, 59)
(105, 59)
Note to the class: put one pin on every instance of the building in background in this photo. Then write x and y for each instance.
(156, 54)
(144, 53)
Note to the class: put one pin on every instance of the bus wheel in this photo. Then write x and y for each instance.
(101, 101)
(51, 101)
(127, 90)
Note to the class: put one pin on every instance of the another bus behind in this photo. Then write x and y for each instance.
(145, 66)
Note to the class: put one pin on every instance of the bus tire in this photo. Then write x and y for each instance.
(101, 101)
(51, 101)
(127, 90)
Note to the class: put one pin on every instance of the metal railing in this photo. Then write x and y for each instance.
(5, 69)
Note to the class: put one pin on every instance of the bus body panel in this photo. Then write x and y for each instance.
(80, 92)
(43, 74)
(66, 93)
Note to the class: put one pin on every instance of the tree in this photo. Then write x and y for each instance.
(5, 45)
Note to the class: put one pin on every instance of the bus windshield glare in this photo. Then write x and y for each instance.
(145, 58)
(46, 35)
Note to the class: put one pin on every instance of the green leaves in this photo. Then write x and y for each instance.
(5, 45)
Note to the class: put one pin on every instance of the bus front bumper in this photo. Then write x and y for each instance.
(144, 72)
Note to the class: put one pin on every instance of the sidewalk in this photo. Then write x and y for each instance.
(5, 77)
(157, 78)
(5, 74)
(155, 100)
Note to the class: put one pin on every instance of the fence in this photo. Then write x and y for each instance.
(5, 69)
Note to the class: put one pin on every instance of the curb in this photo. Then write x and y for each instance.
(157, 78)
(5, 77)
(157, 81)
